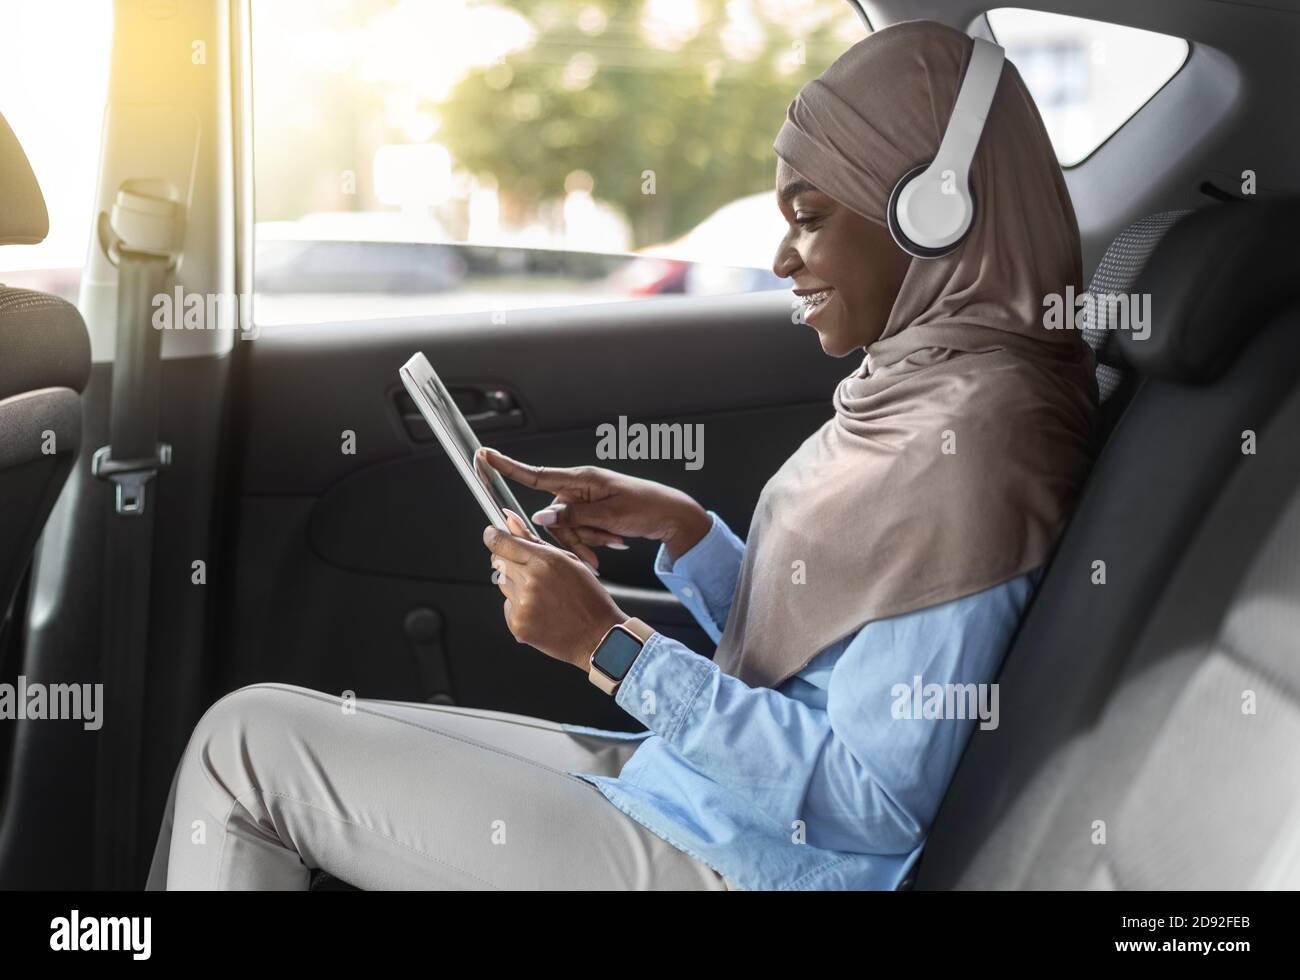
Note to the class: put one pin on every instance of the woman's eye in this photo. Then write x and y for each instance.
(804, 219)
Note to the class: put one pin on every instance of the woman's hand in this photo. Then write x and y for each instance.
(594, 506)
(553, 602)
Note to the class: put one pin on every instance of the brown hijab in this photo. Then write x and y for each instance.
(958, 447)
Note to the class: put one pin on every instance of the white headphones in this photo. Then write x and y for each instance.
(932, 207)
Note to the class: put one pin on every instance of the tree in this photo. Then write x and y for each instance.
(592, 94)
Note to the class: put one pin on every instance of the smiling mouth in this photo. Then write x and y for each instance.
(813, 301)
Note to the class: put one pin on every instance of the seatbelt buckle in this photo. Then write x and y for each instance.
(146, 217)
(130, 476)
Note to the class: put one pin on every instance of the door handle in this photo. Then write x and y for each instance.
(487, 408)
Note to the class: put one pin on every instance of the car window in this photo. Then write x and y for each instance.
(413, 157)
(53, 87)
(1087, 77)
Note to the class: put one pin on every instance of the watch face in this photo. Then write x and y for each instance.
(616, 652)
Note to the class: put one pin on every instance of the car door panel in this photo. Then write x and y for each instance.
(338, 553)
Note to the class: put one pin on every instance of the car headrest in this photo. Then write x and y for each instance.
(44, 341)
(1213, 281)
(23, 218)
(1117, 273)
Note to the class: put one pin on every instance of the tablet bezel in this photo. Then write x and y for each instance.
(439, 409)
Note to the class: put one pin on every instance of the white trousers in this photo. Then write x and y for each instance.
(277, 780)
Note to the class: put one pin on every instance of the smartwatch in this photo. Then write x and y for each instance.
(616, 652)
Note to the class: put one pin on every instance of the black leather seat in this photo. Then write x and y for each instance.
(1148, 724)
(44, 365)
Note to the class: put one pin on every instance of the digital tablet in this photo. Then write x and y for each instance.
(460, 443)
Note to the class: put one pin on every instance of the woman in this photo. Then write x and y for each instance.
(895, 549)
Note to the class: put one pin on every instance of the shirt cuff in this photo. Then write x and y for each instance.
(663, 683)
(704, 578)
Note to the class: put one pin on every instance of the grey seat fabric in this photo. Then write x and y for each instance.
(1117, 274)
(44, 365)
(43, 340)
(45, 358)
(1193, 765)
(1148, 722)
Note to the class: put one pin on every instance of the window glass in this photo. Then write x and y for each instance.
(459, 156)
(1088, 78)
(53, 87)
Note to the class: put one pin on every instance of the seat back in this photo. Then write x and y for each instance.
(1148, 705)
(44, 365)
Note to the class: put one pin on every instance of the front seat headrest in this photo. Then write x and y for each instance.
(23, 218)
(1213, 282)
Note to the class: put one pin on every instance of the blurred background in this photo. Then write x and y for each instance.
(440, 156)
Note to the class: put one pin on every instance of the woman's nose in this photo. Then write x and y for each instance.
(786, 262)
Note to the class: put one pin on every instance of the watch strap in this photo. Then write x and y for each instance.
(641, 630)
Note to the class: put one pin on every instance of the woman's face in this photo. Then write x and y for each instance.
(848, 267)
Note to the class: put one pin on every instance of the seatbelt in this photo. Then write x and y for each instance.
(142, 238)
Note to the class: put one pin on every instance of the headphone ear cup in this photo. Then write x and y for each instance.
(891, 215)
(895, 227)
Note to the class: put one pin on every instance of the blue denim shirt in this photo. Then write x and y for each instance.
(830, 780)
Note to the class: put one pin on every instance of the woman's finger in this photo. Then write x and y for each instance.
(578, 513)
(568, 537)
(597, 538)
(552, 478)
(518, 527)
(586, 554)
(517, 550)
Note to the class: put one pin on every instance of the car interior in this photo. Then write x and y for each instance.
(268, 553)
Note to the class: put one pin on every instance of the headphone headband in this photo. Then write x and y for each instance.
(932, 208)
